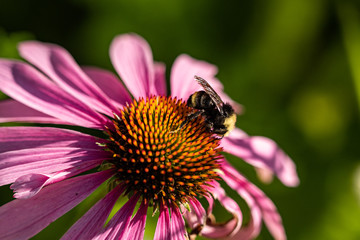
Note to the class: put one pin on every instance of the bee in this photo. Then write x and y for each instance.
(220, 117)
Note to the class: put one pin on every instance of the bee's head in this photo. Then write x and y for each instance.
(228, 110)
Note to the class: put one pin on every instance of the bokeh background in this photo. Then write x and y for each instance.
(294, 65)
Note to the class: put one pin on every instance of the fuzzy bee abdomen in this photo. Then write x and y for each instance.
(200, 100)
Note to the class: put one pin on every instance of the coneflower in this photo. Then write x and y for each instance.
(135, 150)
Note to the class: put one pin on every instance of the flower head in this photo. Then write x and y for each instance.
(136, 147)
(159, 164)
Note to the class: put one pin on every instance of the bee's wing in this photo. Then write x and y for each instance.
(211, 92)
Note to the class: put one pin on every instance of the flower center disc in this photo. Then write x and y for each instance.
(156, 159)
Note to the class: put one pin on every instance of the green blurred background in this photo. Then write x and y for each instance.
(294, 65)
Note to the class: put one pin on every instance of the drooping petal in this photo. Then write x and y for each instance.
(136, 229)
(248, 232)
(28, 86)
(260, 205)
(109, 84)
(262, 152)
(197, 216)
(13, 111)
(177, 225)
(89, 225)
(22, 219)
(132, 58)
(217, 230)
(210, 200)
(60, 66)
(116, 228)
(253, 228)
(163, 230)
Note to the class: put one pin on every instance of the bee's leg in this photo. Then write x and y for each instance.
(189, 117)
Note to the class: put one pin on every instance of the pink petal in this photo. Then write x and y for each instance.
(110, 85)
(248, 232)
(18, 138)
(163, 231)
(263, 152)
(210, 200)
(253, 228)
(31, 150)
(183, 71)
(265, 175)
(177, 225)
(195, 219)
(136, 229)
(160, 81)
(29, 185)
(216, 230)
(116, 228)
(197, 216)
(46, 150)
(257, 200)
(60, 66)
(89, 225)
(15, 164)
(12, 111)
(26, 85)
(237, 133)
(25, 218)
(132, 58)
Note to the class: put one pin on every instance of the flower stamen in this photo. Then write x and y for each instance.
(160, 164)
